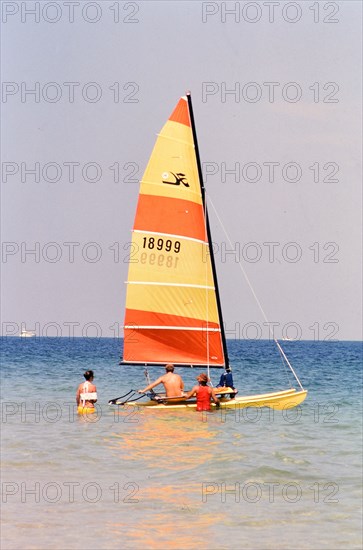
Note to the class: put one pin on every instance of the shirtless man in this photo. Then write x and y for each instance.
(173, 383)
(87, 389)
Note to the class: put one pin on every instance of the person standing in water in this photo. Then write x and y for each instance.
(86, 395)
(204, 394)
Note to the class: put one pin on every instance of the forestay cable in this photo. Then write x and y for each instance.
(255, 296)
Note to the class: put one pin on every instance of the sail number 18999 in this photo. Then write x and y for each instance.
(161, 244)
(153, 252)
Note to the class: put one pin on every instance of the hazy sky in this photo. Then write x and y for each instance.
(276, 89)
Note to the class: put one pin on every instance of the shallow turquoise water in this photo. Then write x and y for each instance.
(253, 478)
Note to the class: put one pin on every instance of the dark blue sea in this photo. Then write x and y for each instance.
(134, 479)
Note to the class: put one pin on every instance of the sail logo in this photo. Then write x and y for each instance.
(179, 178)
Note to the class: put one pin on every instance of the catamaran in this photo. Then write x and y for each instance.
(173, 308)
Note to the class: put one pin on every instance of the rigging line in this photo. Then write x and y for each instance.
(255, 296)
(286, 370)
(147, 376)
(288, 362)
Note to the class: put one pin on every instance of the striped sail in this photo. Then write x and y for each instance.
(172, 312)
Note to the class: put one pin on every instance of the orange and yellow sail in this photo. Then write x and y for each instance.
(171, 305)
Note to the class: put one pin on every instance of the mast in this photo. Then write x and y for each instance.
(200, 175)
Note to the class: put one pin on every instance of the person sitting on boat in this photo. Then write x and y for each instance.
(204, 394)
(173, 383)
(86, 395)
(226, 381)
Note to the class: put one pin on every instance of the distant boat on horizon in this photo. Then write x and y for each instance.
(27, 333)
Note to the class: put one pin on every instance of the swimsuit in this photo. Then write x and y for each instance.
(203, 398)
(86, 396)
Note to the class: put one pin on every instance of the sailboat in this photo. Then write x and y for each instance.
(173, 308)
(27, 333)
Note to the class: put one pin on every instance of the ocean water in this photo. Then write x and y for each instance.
(254, 478)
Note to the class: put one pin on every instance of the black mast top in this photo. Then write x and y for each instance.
(208, 229)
